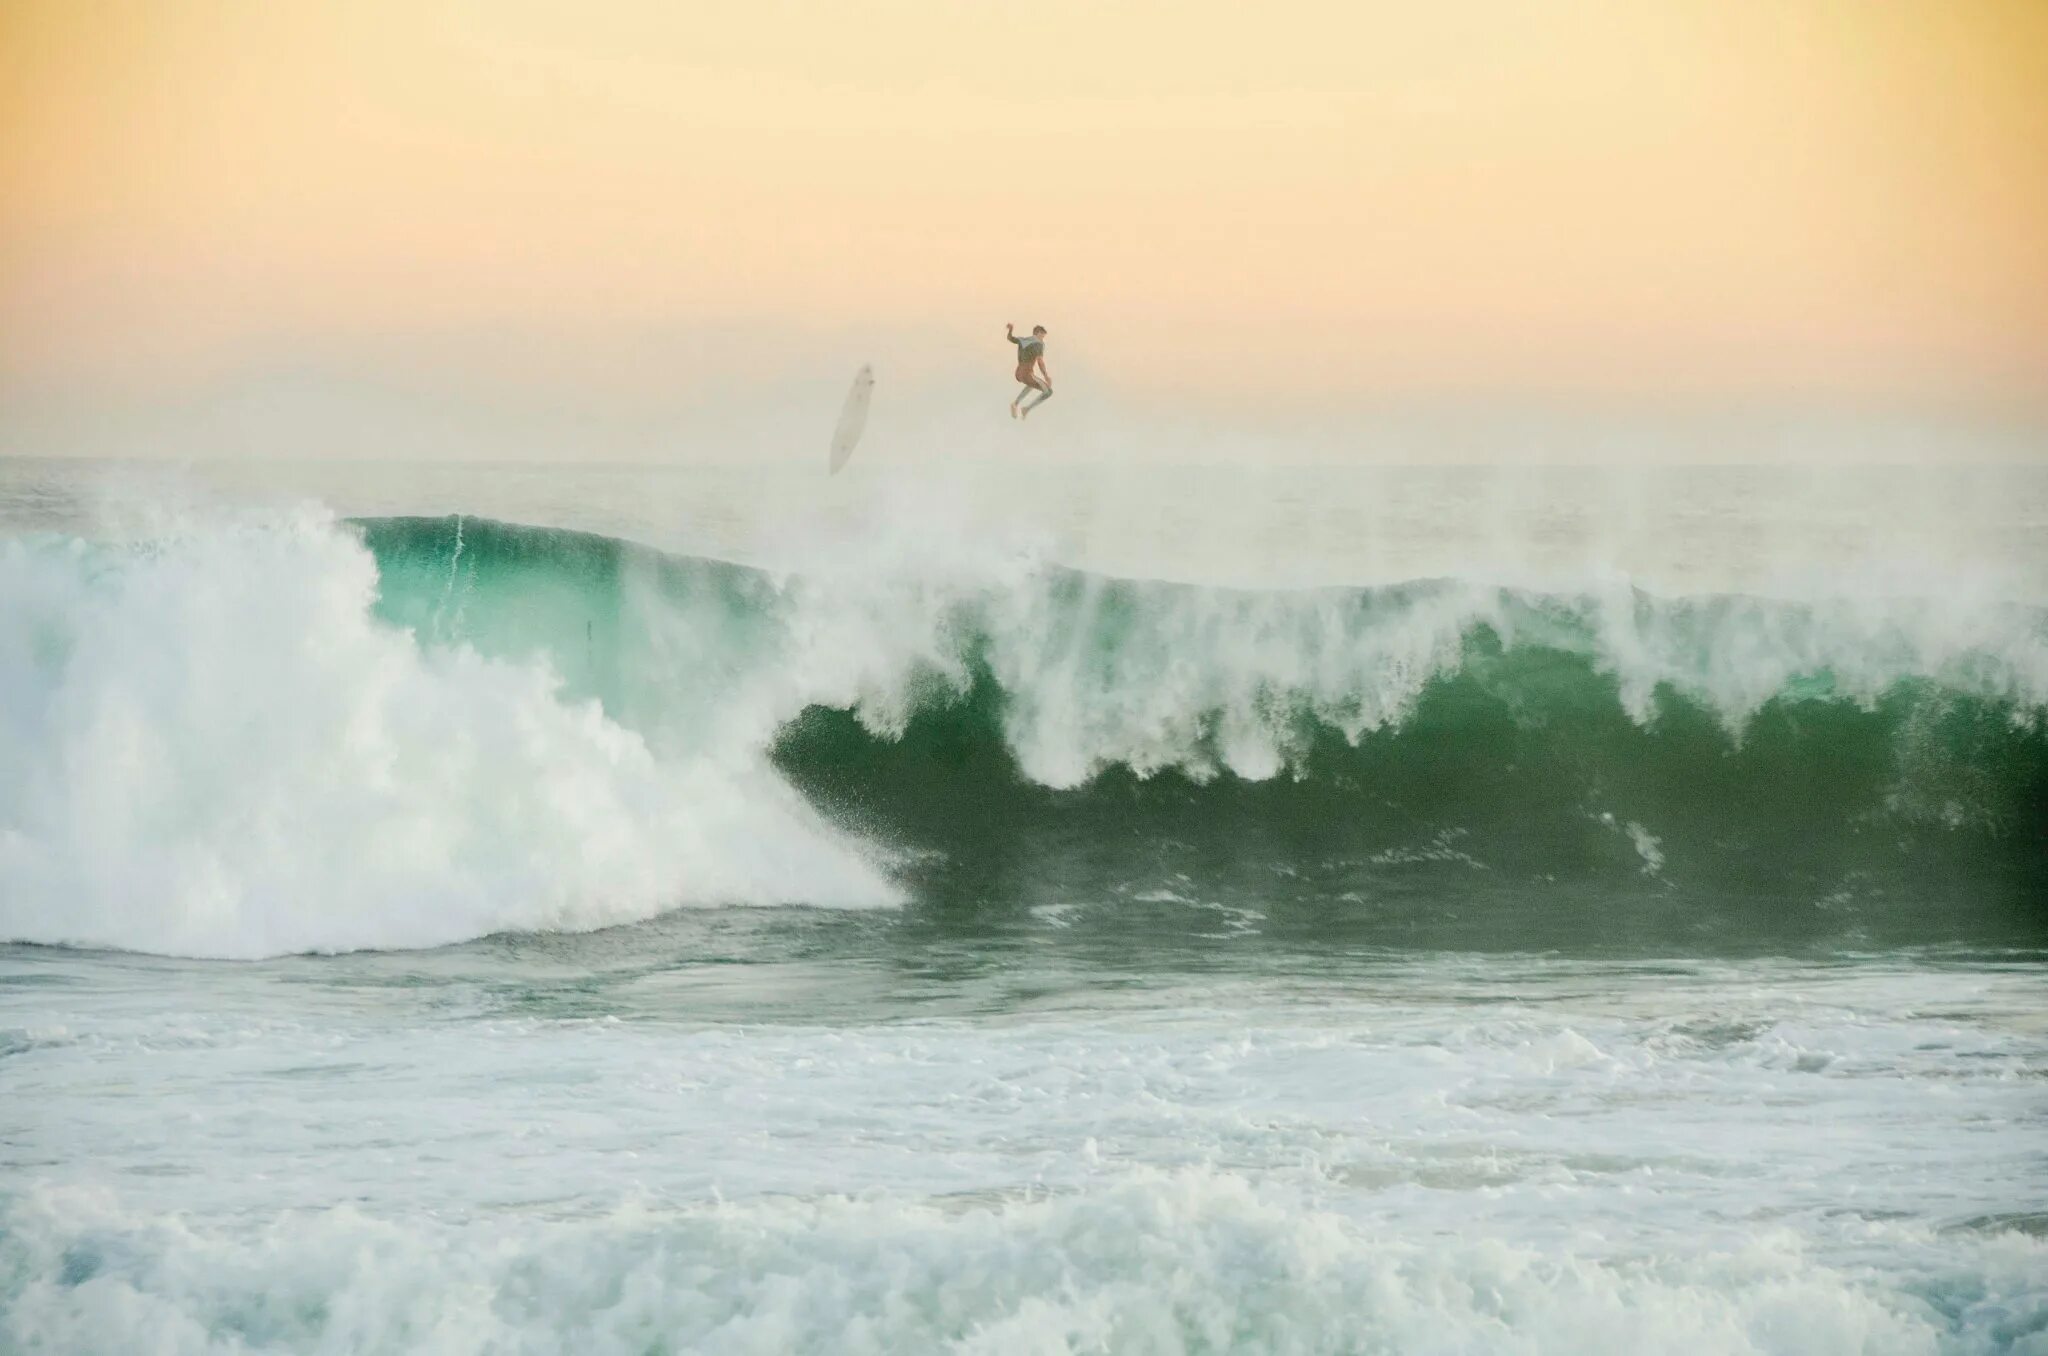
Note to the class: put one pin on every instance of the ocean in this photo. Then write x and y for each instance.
(1000, 907)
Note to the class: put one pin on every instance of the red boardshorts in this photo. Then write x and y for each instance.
(1028, 377)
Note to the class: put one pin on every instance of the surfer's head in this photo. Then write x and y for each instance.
(1038, 330)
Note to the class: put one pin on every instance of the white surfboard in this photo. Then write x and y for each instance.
(853, 417)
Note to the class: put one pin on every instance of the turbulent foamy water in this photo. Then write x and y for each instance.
(510, 910)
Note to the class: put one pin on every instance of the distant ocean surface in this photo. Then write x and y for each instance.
(1023, 908)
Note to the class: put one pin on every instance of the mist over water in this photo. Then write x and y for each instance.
(1015, 910)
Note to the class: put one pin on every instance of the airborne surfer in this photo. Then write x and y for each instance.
(1030, 370)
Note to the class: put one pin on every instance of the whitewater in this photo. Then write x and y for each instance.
(502, 909)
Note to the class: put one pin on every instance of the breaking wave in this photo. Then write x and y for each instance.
(286, 733)
(213, 747)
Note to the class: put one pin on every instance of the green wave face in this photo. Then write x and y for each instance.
(1430, 764)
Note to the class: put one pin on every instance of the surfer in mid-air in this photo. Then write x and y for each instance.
(1030, 370)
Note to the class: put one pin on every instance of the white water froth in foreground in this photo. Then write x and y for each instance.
(1194, 1261)
(1437, 1155)
(213, 749)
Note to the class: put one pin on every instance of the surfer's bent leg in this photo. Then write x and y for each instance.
(1030, 382)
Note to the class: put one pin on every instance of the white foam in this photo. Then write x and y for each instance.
(1098, 672)
(212, 748)
(1183, 1262)
(1730, 590)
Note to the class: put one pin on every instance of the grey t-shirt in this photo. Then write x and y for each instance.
(1029, 347)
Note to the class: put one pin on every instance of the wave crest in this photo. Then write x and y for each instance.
(1088, 672)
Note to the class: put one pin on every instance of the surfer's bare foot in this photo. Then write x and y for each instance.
(1013, 411)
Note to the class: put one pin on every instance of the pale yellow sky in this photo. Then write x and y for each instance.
(1840, 201)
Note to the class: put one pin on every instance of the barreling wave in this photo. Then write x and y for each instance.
(565, 730)
(1836, 767)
